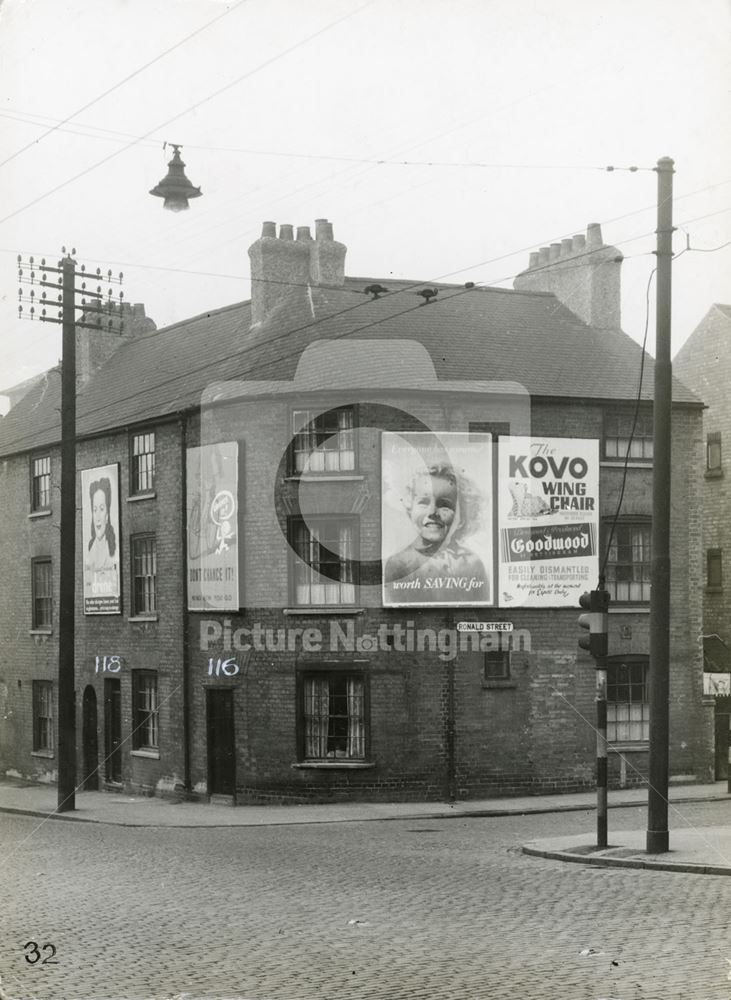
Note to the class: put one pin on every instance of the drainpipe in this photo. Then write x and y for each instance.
(187, 786)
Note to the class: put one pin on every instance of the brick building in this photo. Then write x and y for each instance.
(704, 365)
(251, 650)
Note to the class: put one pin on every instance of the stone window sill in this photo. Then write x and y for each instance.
(39, 513)
(618, 463)
(714, 590)
(143, 618)
(624, 609)
(505, 685)
(40, 631)
(149, 754)
(331, 609)
(326, 477)
(141, 496)
(48, 754)
(713, 474)
(333, 765)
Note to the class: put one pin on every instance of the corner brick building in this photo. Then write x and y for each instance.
(704, 365)
(308, 688)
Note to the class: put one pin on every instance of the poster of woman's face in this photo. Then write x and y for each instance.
(436, 528)
(100, 540)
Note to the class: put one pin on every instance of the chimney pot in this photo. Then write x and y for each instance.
(594, 234)
(269, 229)
(566, 246)
(554, 251)
(579, 241)
(544, 255)
(303, 233)
(327, 257)
(533, 259)
(286, 232)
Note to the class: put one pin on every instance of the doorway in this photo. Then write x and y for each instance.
(113, 730)
(90, 741)
(220, 740)
(721, 720)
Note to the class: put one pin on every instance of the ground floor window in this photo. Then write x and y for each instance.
(333, 716)
(43, 715)
(628, 709)
(145, 710)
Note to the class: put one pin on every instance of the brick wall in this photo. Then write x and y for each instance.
(531, 735)
(534, 733)
(154, 645)
(704, 365)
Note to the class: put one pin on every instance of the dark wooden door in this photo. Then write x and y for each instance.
(90, 741)
(113, 729)
(722, 738)
(221, 745)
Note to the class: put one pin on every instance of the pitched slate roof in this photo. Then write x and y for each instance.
(478, 333)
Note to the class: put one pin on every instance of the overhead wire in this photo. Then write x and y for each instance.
(193, 107)
(114, 135)
(287, 334)
(229, 9)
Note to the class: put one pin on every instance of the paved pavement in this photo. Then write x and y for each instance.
(692, 849)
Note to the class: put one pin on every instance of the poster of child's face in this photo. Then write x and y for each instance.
(436, 528)
(100, 540)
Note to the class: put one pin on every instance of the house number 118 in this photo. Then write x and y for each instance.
(112, 664)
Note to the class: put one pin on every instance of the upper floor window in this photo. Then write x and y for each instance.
(42, 593)
(713, 452)
(143, 463)
(144, 575)
(628, 709)
(323, 442)
(40, 483)
(43, 716)
(145, 710)
(333, 716)
(619, 438)
(324, 560)
(714, 569)
(629, 565)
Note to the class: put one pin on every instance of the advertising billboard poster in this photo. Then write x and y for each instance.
(548, 509)
(101, 540)
(212, 509)
(436, 533)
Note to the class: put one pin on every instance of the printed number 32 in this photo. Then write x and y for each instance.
(34, 954)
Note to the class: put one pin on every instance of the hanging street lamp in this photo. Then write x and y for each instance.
(175, 187)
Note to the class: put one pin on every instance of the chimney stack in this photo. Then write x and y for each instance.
(95, 346)
(583, 273)
(285, 269)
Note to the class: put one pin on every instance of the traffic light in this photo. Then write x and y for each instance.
(596, 604)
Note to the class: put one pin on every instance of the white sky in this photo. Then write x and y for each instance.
(539, 89)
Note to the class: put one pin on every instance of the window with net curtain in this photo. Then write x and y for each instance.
(323, 442)
(324, 557)
(628, 709)
(629, 562)
(333, 710)
(622, 442)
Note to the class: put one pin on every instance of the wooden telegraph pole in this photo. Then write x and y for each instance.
(93, 304)
(659, 694)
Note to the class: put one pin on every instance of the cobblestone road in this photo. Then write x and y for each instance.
(437, 909)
